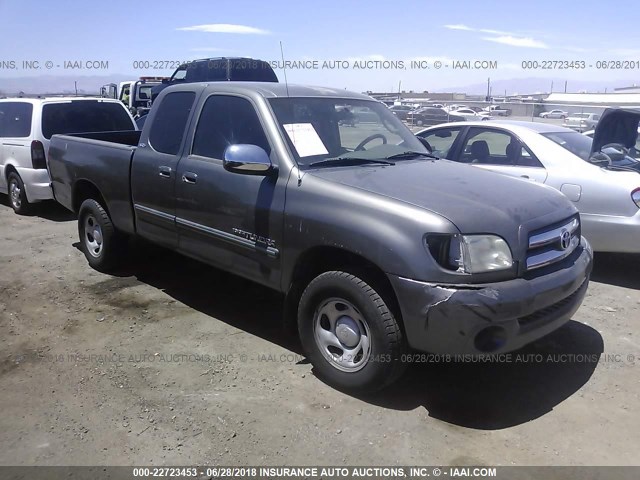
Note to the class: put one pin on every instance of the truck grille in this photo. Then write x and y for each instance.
(553, 244)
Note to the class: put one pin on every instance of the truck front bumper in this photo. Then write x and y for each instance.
(494, 317)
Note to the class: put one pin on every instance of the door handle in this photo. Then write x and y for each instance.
(189, 177)
(525, 176)
(164, 172)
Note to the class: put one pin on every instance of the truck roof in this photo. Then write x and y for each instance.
(274, 90)
(54, 99)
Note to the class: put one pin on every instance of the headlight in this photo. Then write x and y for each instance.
(471, 253)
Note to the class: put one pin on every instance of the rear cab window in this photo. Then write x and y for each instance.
(15, 119)
(170, 122)
(84, 116)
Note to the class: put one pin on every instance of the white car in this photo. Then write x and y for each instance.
(469, 114)
(608, 199)
(26, 127)
(554, 114)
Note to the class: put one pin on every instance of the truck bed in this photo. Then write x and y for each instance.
(100, 160)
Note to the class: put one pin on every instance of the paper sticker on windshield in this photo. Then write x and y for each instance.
(305, 138)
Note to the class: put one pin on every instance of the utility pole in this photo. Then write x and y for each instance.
(488, 99)
(399, 86)
(551, 87)
(565, 86)
(75, 85)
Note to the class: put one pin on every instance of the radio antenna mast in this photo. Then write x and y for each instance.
(284, 69)
(286, 84)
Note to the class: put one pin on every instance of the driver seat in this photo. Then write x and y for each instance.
(480, 152)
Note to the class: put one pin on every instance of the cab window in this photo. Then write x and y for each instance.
(441, 140)
(224, 121)
(494, 147)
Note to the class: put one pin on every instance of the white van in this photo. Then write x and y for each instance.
(26, 127)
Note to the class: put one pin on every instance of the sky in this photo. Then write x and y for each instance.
(386, 35)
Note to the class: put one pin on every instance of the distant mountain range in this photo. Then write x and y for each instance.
(87, 85)
(528, 86)
(521, 86)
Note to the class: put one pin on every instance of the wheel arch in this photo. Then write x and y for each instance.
(83, 190)
(9, 169)
(316, 260)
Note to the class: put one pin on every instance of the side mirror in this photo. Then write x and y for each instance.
(165, 80)
(247, 159)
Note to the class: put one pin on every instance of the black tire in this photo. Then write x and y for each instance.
(103, 252)
(17, 195)
(384, 363)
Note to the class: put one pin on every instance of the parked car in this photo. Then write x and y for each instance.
(221, 69)
(581, 122)
(608, 200)
(498, 110)
(376, 245)
(26, 127)
(554, 114)
(401, 111)
(453, 107)
(432, 116)
(469, 114)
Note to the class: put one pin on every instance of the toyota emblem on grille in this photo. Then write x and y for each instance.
(565, 239)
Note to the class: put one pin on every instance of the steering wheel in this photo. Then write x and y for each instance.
(601, 159)
(369, 139)
(616, 146)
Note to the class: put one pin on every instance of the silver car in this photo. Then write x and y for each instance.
(554, 114)
(608, 198)
(581, 122)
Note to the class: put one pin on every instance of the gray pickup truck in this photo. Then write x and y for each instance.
(378, 247)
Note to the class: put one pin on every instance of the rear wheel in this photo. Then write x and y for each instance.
(349, 333)
(100, 242)
(17, 195)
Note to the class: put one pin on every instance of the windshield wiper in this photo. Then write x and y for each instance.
(411, 154)
(349, 161)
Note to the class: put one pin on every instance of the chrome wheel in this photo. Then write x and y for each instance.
(93, 236)
(342, 335)
(15, 193)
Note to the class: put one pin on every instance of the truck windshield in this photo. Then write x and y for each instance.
(83, 116)
(323, 128)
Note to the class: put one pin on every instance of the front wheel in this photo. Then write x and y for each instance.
(350, 335)
(100, 242)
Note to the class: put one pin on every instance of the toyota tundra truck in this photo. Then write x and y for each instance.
(379, 247)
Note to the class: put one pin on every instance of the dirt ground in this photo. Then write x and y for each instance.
(175, 363)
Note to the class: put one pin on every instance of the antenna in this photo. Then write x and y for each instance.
(286, 84)
(284, 68)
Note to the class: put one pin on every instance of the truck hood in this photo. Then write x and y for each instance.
(617, 125)
(473, 199)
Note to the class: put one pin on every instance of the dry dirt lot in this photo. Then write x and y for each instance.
(173, 362)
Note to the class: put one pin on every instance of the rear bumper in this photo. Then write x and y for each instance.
(608, 233)
(37, 184)
(498, 317)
